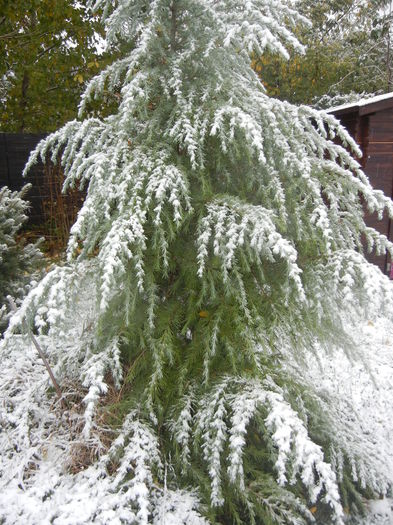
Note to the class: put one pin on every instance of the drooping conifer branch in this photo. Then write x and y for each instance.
(218, 253)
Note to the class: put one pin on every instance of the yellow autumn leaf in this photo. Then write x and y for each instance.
(203, 314)
(78, 78)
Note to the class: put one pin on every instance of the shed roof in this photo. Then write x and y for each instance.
(365, 106)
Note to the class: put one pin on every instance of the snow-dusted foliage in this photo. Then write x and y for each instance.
(330, 101)
(203, 298)
(39, 443)
(18, 260)
(295, 450)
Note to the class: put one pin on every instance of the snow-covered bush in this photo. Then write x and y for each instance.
(212, 274)
(17, 259)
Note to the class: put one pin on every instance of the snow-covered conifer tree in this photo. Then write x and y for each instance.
(217, 258)
(18, 259)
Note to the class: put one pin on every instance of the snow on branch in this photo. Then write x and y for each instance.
(231, 225)
(221, 420)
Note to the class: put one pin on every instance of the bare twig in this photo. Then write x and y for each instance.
(39, 350)
(388, 53)
(173, 25)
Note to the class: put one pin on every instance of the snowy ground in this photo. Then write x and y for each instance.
(52, 495)
(372, 399)
(381, 513)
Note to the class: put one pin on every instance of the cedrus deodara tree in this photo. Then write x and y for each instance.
(219, 251)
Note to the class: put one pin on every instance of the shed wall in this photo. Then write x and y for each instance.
(378, 156)
(374, 134)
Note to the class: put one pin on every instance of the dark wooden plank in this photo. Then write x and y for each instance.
(378, 162)
(380, 148)
(19, 147)
(14, 153)
(4, 176)
(376, 107)
(340, 113)
(350, 123)
(372, 128)
(381, 183)
(381, 116)
(381, 126)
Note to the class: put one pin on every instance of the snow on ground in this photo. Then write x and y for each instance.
(53, 495)
(364, 387)
(380, 512)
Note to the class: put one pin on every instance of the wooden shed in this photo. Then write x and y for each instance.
(370, 122)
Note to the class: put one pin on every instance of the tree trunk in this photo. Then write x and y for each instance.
(23, 100)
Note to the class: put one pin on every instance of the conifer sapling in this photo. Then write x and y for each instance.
(18, 259)
(217, 253)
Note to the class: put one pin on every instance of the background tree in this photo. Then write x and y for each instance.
(347, 50)
(48, 49)
(217, 256)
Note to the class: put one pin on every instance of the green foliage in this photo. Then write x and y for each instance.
(17, 259)
(216, 219)
(47, 53)
(347, 50)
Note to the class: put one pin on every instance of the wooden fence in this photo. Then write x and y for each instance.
(14, 153)
(51, 213)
